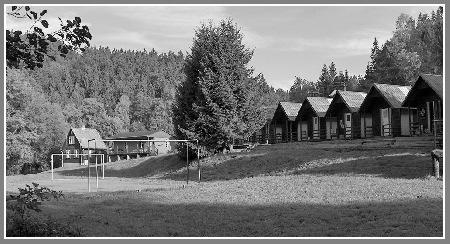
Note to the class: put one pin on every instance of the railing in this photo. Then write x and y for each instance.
(316, 134)
(438, 133)
(387, 130)
(304, 135)
(414, 129)
(368, 132)
(348, 133)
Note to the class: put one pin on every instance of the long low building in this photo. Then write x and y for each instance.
(124, 147)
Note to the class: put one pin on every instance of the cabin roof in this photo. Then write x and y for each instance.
(318, 104)
(290, 109)
(393, 94)
(85, 134)
(435, 82)
(352, 99)
(141, 134)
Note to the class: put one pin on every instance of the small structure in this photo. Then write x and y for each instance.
(311, 119)
(342, 116)
(263, 135)
(136, 144)
(82, 141)
(426, 95)
(283, 122)
(382, 113)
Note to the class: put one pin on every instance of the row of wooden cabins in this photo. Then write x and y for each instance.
(386, 110)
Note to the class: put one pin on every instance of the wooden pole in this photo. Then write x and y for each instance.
(96, 169)
(103, 166)
(198, 163)
(51, 162)
(187, 163)
(62, 160)
(89, 168)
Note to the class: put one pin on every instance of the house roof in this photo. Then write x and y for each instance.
(141, 134)
(290, 109)
(435, 82)
(352, 99)
(85, 134)
(393, 94)
(318, 104)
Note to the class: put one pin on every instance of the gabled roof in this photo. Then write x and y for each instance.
(141, 134)
(435, 82)
(85, 134)
(318, 104)
(393, 94)
(290, 109)
(352, 99)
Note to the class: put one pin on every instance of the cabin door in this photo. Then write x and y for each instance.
(385, 122)
(348, 125)
(404, 122)
(278, 134)
(316, 128)
(304, 130)
(331, 128)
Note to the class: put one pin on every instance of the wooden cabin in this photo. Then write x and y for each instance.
(342, 116)
(310, 119)
(77, 143)
(139, 145)
(263, 134)
(283, 126)
(382, 113)
(426, 95)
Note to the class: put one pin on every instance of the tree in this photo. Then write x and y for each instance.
(31, 47)
(122, 111)
(324, 82)
(215, 103)
(35, 128)
(300, 90)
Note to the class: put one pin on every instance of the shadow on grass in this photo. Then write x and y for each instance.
(404, 166)
(135, 217)
(149, 167)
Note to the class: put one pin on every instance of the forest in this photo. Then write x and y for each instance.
(115, 90)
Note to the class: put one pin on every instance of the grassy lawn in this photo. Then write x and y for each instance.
(296, 189)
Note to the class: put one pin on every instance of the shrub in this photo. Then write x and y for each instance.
(22, 218)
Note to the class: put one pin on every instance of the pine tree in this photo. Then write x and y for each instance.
(215, 103)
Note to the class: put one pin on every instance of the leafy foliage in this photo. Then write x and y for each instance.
(415, 47)
(20, 221)
(30, 48)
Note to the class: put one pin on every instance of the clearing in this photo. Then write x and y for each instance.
(339, 188)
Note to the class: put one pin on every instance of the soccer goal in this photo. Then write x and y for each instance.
(100, 158)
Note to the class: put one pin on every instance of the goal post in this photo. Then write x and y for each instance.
(52, 160)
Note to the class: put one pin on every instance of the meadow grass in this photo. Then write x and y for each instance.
(296, 189)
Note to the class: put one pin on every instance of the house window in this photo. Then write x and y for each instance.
(315, 120)
(71, 140)
(67, 153)
(348, 117)
(141, 145)
(76, 153)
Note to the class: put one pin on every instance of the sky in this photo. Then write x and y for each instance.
(288, 41)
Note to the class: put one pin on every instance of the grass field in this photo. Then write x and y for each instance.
(296, 189)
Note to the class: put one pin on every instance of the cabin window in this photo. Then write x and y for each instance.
(67, 153)
(348, 117)
(71, 140)
(315, 120)
(141, 145)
